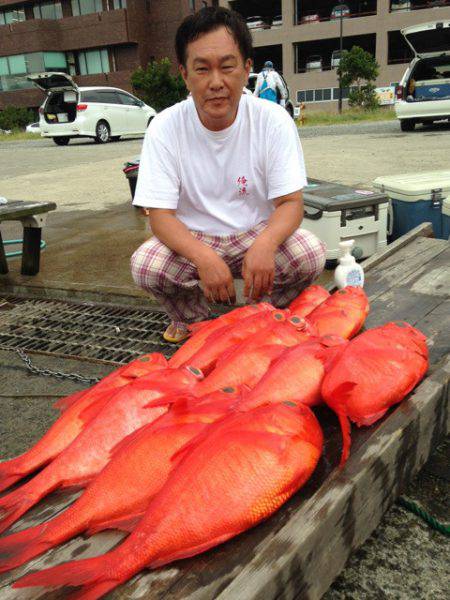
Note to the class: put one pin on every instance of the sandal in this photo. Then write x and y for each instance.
(176, 332)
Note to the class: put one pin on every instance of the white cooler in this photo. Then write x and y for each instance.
(335, 213)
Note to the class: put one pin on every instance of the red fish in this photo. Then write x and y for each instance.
(226, 337)
(248, 361)
(121, 492)
(206, 328)
(75, 418)
(238, 473)
(377, 370)
(342, 314)
(91, 450)
(308, 300)
(297, 374)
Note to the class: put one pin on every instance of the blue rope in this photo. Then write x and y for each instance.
(19, 252)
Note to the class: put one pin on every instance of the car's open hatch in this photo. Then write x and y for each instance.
(428, 39)
(53, 81)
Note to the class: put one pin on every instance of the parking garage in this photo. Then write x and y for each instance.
(317, 55)
(268, 10)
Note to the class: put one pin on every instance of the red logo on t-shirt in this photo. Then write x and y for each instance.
(242, 185)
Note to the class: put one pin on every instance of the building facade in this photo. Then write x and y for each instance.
(99, 42)
(305, 46)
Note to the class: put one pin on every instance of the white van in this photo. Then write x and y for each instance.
(423, 94)
(101, 113)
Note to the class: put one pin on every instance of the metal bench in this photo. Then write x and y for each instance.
(32, 215)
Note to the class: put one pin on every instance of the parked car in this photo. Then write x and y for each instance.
(423, 94)
(293, 108)
(400, 5)
(335, 58)
(436, 3)
(33, 128)
(256, 23)
(101, 113)
(314, 63)
(277, 21)
(314, 18)
(340, 10)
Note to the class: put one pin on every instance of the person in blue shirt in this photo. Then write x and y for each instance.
(269, 84)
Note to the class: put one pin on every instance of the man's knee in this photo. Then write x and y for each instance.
(147, 264)
(302, 256)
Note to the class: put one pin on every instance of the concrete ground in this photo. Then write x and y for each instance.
(90, 238)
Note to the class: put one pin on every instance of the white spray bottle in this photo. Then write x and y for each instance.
(348, 272)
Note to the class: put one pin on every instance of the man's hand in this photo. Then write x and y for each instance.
(216, 278)
(258, 269)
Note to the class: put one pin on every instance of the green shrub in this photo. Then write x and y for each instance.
(359, 67)
(14, 117)
(364, 97)
(157, 86)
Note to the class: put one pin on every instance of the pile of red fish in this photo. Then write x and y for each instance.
(162, 446)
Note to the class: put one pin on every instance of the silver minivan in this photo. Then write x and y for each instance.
(101, 113)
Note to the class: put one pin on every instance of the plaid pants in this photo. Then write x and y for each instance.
(173, 280)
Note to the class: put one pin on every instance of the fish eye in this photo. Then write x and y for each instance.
(228, 390)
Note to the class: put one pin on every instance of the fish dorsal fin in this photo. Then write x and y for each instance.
(226, 355)
(64, 403)
(91, 411)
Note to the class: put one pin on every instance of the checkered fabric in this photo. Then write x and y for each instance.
(173, 280)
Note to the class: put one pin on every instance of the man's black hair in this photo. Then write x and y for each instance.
(209, 19)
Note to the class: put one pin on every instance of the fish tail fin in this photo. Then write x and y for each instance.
(20, 547)
(346, 437)
(17, 503)
(88, 574)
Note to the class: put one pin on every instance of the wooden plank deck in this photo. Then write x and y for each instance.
(301, 549)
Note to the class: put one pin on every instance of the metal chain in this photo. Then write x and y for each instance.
(48, 372)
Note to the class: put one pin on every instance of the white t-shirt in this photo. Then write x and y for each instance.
(220, 182)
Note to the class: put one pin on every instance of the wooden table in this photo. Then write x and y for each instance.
(300, 550)
(32, 215)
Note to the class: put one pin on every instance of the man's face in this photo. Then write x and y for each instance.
(215, 74)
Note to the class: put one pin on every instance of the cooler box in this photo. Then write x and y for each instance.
(415, 198)
(335, 213)
(446, 219)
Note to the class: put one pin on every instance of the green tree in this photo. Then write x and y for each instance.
(358, 68)
(157, 86)
(14, 117)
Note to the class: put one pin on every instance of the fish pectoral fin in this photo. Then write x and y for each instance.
(126, 523)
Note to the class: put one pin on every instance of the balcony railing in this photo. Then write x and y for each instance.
(312, 17)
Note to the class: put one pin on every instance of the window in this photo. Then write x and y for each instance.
(12, 16)
(318, 95)
(14, 68)
(109, 97)
(55, 61)
(86, 7)
(93, 61)
(301, 96)
(309, 96)
(128, 100)
(47, 10)
(192, 4)
(90, 96)
(327, 94)
(120, 4)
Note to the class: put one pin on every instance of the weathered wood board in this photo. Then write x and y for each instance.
(301, 549)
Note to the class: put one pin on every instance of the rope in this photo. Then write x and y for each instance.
(429, 519)
(18, 252)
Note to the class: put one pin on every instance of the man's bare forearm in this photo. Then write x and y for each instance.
(175, 235)
(285, 219)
